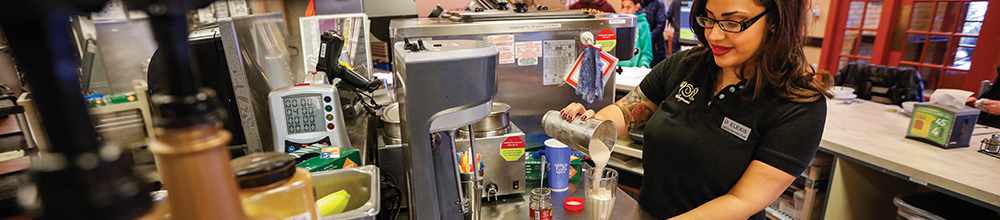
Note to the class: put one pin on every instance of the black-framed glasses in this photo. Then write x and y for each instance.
(728, 25)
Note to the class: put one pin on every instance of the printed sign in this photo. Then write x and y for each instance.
(512, 148)
(558, 57)
(607, 39)
(505, 45)
(931, 123)
(528, 49)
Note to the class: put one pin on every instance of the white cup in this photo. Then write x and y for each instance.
(842, 91)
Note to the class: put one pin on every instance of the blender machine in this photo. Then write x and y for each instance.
(441, 86)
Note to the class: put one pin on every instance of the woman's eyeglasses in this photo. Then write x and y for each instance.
(727, 25)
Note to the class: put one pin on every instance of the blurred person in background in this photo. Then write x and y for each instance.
(643, 43)
(656, 16)
(596, 6)
(672, 33)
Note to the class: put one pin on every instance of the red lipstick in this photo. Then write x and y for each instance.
(720, 50)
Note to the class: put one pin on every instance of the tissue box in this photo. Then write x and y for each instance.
(942, 126)
(533, 168)
(330, 158)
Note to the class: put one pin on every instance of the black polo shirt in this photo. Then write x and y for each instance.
(698, 144)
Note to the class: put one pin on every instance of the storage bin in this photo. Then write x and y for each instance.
(938, 206)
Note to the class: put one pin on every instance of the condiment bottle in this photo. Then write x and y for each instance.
(541, 204)
(271, 186)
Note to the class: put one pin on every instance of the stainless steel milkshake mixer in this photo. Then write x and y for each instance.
(441, 86)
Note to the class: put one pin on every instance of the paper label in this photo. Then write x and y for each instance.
(329, 152)
(528, 61)
(534, 26)
(617, 21)
(607, 39)
(558, 57)
(931, 123)
(512, 148)
(505, 45)
(528, 49)
(741, 131)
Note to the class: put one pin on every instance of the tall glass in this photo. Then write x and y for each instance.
(600, 194)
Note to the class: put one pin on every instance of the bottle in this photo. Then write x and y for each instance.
(541, 204)
(272, 187)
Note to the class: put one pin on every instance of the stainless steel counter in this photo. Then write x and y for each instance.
(516, 207)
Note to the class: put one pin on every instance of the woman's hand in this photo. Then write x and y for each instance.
(991, 106)
(574, 109)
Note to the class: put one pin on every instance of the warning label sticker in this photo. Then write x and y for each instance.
(558, 57)
(512, 148)
(505, 45)
(528, 49)
(607, 39)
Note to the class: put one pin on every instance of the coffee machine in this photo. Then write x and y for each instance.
(441, 86)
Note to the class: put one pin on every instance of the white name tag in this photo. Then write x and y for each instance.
(741, 131)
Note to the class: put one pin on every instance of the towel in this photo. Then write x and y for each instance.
(591, 81)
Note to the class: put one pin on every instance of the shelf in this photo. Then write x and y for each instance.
(621, 147)
(13, 165)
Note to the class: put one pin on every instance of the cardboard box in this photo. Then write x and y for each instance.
(330, 158)
(533, 172)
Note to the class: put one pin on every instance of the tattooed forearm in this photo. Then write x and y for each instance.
(636, 109)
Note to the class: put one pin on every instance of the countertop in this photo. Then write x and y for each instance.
(870, 133)
(516, 207)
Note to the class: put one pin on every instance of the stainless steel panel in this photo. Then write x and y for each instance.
(361, 182)
(125, 46)
(258, 63)
(496, 170)
(522, 86)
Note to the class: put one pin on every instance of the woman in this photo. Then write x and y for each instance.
(727, 127)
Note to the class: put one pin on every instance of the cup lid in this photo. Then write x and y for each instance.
(573, 203)
(552, 142)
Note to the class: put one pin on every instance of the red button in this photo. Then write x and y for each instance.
(324, 143)
(302, 84)
(304, 145)
(329, 126)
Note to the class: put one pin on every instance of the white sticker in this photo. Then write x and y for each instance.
(527, 61)
(505, 45)
(557, 57)
(736, 128)
(534, 26)
(618, 21)
(528, 49)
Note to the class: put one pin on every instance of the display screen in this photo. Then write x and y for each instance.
(304, 114)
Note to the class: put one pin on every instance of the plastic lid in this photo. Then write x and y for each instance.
(573, 203)
(552, 142)
(263, 169)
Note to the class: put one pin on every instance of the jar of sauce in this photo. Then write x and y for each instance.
(272, 187)
(541, 204)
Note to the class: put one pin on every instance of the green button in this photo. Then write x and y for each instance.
(329, 108)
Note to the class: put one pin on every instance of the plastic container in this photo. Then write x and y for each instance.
(272, 187)
(361, 182)
(938, 206)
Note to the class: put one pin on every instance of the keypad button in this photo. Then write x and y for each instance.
(329, 117)
(327, 99)
(731, 89)
(329, 108)
(722, 96)
(329, 126)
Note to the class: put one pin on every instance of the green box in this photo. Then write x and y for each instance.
(533, 168)
(331, 158)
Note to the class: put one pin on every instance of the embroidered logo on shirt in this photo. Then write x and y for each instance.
(741, 131)
(686, 92)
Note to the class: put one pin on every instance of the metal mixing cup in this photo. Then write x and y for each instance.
(578, 133)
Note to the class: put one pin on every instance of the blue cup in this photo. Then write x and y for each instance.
(557, 156)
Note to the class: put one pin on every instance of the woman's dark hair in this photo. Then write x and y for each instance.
(779, 64)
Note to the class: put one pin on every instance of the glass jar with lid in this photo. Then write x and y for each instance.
(541, 204)
(272, 187)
